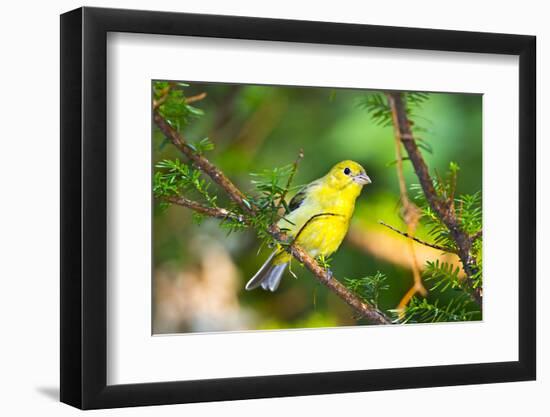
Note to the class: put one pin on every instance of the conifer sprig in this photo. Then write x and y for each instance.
(420, 310)
(369, 287)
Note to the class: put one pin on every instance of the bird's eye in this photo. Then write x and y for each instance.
(347, 171)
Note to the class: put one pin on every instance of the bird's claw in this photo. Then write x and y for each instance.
(330, 275)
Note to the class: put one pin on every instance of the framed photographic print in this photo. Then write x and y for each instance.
(257, 208)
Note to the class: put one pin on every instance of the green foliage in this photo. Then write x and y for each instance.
(202, 146)
(324, 262)
(416, 99)
(174, 107)
(376, 105)
(443, 275)
(477, 278)
(369, 287)
(173, 178)
(468, 208)
(271, 187)
(446, 186)
(437, 230)
(469, 212)
(422, 311)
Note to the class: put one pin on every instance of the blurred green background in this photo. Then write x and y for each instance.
(200, 271)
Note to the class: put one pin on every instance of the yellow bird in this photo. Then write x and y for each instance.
(319, 218)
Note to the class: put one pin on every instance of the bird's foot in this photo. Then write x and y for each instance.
(330, 274)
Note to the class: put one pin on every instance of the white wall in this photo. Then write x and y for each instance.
(29, 223)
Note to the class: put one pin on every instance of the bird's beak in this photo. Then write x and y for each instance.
(362, 179)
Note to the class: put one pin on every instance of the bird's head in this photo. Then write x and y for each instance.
(347, 173)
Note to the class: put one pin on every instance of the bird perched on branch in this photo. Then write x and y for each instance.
(318, 221)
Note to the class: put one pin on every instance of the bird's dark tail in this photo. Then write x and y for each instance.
(269, 275)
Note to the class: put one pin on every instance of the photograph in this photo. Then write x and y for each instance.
(295, 207)
(245, 199)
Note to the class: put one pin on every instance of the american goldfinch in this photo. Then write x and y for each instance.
(319, 218)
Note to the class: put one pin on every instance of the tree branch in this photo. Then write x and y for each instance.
(203, 164)
(362, 308)
(443, 208)
(216, 212)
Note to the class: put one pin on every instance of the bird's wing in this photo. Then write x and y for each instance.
(298, 199)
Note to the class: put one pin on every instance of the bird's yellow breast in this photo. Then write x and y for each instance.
(321, 222)
(323, 235)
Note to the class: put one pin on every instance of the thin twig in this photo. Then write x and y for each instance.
(292, 173)
(197, 97)
(422, 242)
(216, 212)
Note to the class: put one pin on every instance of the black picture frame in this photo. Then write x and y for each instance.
(84, 207)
